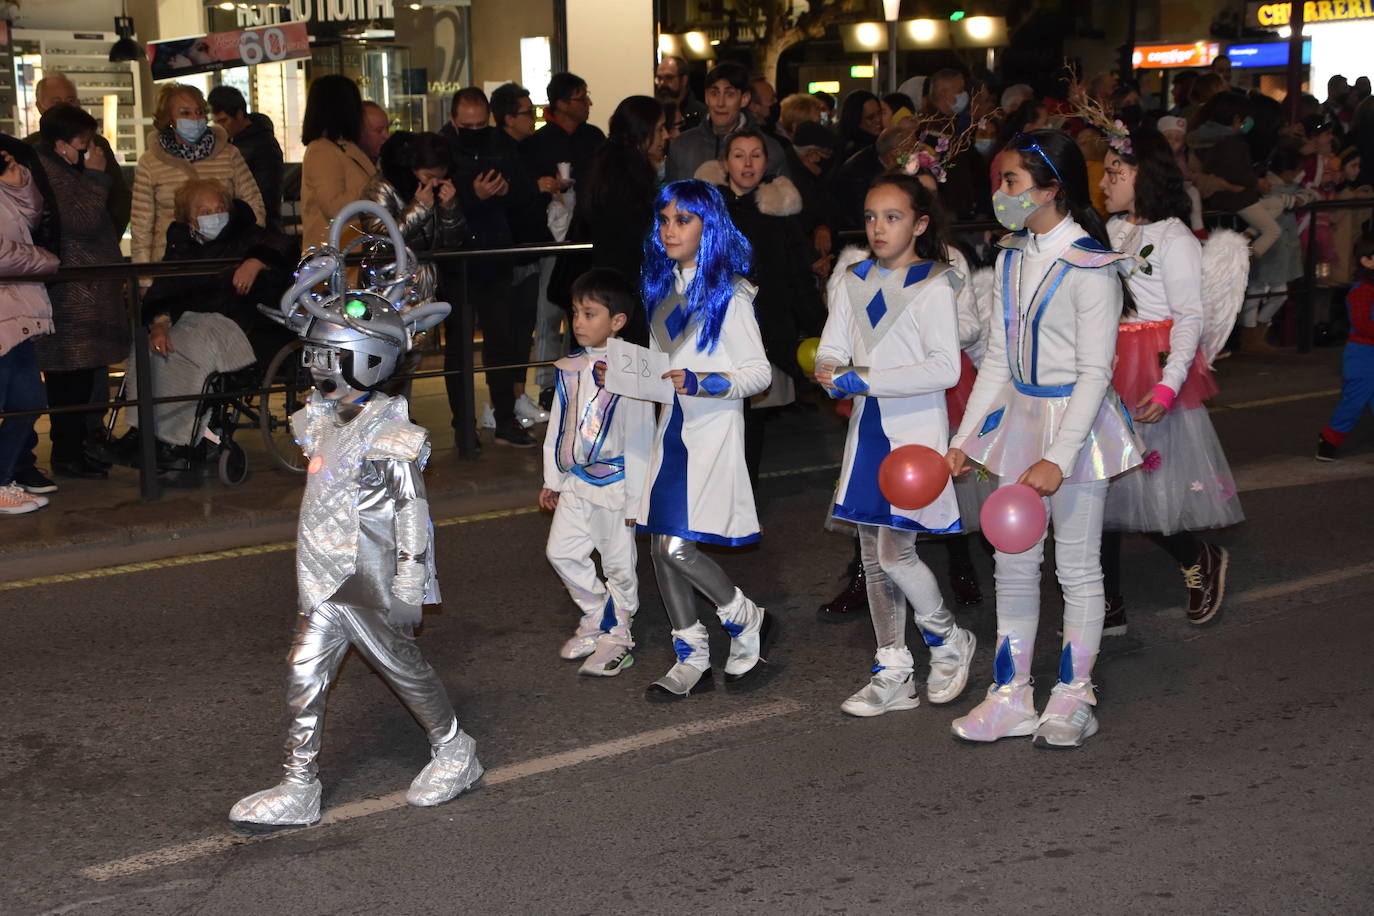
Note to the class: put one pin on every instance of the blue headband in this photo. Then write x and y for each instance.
(1034, 147)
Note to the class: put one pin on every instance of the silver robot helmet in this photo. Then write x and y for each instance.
(356, 336)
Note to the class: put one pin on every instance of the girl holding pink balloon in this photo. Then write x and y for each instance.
(1044, 418)
(892, 344)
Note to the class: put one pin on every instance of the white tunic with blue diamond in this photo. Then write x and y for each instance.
(899, 330)
(698, 484)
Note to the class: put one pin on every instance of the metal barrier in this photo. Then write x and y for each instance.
(463, 328)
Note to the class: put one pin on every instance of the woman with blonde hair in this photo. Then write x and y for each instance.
(183, 146)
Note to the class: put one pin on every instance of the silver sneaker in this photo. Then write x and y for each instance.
(579, 646)
(287, 804)
(453, 769)
(610, 658)
(890, 689)
(528, 412)
(1068, 719)
(949, 667)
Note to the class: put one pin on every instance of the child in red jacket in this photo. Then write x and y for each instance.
(1357, 366)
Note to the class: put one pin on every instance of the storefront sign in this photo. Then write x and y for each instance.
(1266, 54)
(1199, 54)
(222, 50)
(1272, 15)
(315, 11)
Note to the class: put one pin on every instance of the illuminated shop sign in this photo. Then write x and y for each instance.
(1271, 15)
(317, 11)
(1198, 54)
(1266, 54)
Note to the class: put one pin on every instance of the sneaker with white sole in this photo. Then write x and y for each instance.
(1068, 719)
(610, 658)
(32, 481)
(488, 420)
(287, 804)
(453, 769)
(889, 690)
(949, 667)
(1008, 711)
(14, 501)
(748, 626)
(692, 671)
(528, 412)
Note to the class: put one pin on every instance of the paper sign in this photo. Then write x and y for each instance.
(222, 50)
(637, 372)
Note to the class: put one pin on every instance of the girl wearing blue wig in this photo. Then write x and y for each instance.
(701, 313)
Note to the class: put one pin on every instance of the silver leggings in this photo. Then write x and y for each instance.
(321, 641)
(894, 576)
(680, 566)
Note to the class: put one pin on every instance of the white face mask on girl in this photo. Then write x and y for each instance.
(1012, 210)
(211, 225)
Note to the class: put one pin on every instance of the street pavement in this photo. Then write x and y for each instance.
(1229, 776)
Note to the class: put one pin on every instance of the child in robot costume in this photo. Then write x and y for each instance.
(364, 551)
(697, 491)
(1043, 413)
(595, 455)
(892, 343)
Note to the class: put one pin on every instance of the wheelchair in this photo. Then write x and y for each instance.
(218, 420)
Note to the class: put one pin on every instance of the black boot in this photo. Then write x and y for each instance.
(963, 579)
(850, 603)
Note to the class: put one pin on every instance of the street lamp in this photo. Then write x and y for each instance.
(891, 10)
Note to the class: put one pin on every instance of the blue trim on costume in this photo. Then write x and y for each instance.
(1012, 345)
(676, 321)
(862, 268)
(892, 521)
(932, 639)
(992, 421)
(1066, 664)
(595, 453)
(580, 471)
(668, 497)
(862, 497)
(877, 668)
(1044, 391)
(850, 382)
(689, 382)
(876, 308)
(608, 615)
(682, 648)
(918, 272)
(1035, 324)
(714, 384)
(1088, 243)
(1003, 668)
(733, 627)
(701, 537)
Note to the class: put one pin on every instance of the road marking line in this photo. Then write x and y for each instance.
(1281, 399)
(184, 852)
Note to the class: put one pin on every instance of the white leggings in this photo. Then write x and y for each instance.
(1076, 513)
(894, 575)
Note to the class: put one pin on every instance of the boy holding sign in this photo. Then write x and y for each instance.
(595, 455)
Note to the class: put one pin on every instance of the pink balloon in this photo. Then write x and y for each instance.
(913, 476)
(1014, 518)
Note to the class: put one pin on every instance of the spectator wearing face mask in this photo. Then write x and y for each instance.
(55, 88)
(203, 324)
(183, 146)
(728, 94)
(947, 96)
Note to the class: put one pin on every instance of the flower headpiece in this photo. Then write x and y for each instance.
(933, 151)
(1117, 133)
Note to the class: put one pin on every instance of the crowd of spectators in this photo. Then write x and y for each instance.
(793, 169)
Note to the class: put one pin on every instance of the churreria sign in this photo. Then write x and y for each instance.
(1272, 15)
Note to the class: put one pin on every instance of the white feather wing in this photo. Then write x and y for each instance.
(1225, 272)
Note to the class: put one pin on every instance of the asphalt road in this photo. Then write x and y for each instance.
(1230, 774)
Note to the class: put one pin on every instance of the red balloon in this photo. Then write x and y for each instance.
(913, 476)
(1014, 518)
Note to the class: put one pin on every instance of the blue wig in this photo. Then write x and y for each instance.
(724, 252)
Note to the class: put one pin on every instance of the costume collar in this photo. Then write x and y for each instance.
(1084, 251)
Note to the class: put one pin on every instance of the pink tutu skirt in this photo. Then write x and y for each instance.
(1141, 349)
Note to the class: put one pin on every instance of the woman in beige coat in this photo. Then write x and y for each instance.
(182, 146)
(334, 169)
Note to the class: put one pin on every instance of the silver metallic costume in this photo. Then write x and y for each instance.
(364, 562)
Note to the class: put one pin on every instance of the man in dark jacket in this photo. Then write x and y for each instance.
(671, 84)
(566, 137)
(252, 134)
(727, 103)
(499, 199)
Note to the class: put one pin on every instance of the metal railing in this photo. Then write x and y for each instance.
(461, 326)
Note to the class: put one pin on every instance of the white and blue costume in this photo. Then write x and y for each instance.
(595, 457)
(892, 339)
(697, 489)
(1044, 393)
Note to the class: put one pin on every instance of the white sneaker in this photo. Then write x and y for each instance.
(949, 666)
(579, 646)
(14, 501)
(453, 769)
(1068, 719)
(1007, 712)
(488, 420)
(890, 689)
(528, 412)
(610, 658)
(287, 804)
